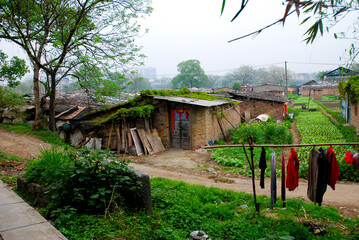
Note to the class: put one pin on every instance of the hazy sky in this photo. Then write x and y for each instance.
(180, 30)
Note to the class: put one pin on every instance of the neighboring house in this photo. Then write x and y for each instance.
(151, 123)
(317, 90)
(274, 87)
(339, 74)
(269, 87)
(257, 103)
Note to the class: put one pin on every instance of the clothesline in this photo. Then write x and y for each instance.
(281, 146)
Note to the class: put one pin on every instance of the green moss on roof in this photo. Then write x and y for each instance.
(122, 113)
(184, 92)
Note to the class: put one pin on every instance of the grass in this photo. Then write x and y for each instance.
(180, 208)
(45, 134)
(9, 163)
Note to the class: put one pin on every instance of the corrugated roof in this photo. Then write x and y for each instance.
(193, 101)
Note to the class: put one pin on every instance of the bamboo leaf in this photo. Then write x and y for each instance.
(305, 20)
(223, 5)
(321, 26)
(287, 9)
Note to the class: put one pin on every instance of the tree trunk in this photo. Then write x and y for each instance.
(38, 112)
(52, 103)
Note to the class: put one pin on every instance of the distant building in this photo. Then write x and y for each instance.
(147, 72)
(339, 74)
(318, 89)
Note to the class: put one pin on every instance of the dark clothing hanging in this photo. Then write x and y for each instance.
(356, 162)
(262, 166)
(273, 178)
(317, 175)
(292, 180)
(283, 179)
(333, 172)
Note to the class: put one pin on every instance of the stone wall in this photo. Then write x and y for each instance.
(33, 192)
(257, 107)
(37, 194)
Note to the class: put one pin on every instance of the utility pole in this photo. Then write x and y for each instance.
(286, 79)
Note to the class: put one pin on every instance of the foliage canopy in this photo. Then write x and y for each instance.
(190, 75)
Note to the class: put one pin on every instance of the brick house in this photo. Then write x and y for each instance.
(178, 122)
(323, 89)
(187, 122)
(257, 103)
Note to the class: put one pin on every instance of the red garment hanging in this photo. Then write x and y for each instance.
(348, 157)
(292, 171)
(333, 173)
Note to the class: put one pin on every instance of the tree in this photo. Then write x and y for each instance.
(277, 75)
(244, 74)
(58, 36)
(12, 71)
(9, 99)
(324, 14)
(190, 75)
(237, 86)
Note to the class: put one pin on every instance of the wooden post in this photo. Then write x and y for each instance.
(109, 137)
(251, 165)
(118, 139)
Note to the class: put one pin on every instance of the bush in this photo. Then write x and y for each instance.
(89, 181)
(263, 133)
(45, 170)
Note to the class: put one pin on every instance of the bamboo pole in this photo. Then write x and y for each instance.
(284, 145)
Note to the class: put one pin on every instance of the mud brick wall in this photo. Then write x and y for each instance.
(326, 92)
(257, 107)
(214, 131)
(205, 126)
(354, 116)
(161, 121)
(318, 94)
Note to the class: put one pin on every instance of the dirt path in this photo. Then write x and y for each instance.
(24, 146)
(196, 168)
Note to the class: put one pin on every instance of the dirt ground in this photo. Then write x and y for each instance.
(197, 168)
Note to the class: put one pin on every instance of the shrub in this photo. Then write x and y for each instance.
(89, 181)
(263, 133)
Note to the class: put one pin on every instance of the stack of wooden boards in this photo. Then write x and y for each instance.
(146, 142)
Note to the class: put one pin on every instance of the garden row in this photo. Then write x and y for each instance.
(314, 127)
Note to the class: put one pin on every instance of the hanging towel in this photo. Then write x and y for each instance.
(292, 180)
(283, 179)
(333, 173)
(273, 186)
(262, 166)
